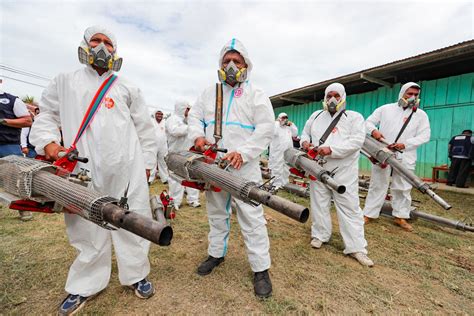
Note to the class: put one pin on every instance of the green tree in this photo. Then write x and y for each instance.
(29, 99)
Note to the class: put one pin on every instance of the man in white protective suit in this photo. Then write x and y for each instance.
(121, 149)
(160, 137)
(177, 130)
(338, 135)
(247, 129)
(390, 119)
(283, 134)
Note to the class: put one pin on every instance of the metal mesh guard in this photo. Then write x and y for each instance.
(28, 178)
(16, 175)
(95, 213)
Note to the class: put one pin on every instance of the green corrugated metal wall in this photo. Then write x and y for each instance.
(449, 103)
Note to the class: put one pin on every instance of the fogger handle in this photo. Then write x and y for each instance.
(73, 156)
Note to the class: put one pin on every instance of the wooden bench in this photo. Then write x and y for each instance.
(436, 170)
(445, 168)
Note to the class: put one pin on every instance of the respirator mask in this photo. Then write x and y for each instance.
(99, 56)
(232, 74)
(332, 105)
(411, 102)
(284, 121)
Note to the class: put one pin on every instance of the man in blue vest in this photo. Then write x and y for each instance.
(13, 117)
(460, 151)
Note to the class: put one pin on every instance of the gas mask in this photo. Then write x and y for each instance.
(332, 105)
(411, 102)
(99, 56)
(232, 74)
(283, 121)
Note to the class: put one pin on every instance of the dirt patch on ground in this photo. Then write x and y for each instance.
(429, 271)
(465, 263)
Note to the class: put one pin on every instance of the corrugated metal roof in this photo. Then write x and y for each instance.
(447, 61)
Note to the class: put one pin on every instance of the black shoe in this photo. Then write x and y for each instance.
(262, 284)
(207, 266)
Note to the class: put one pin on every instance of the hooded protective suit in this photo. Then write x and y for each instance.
(247, 128)
(390, 119)
(281, 141)
(177, 132)
(162, 143)
(345, 141)
(120, 145)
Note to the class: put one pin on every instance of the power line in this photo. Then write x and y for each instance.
(34, 84)
(23, 72)
(19, 72)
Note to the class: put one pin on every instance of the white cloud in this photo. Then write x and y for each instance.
(170, 49)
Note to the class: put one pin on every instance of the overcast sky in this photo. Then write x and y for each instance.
(170, 48)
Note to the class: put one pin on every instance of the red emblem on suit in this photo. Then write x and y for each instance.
(109, 103)
(238, 92)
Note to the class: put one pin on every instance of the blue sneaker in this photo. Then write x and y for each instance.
(72, 304)
(144, 289)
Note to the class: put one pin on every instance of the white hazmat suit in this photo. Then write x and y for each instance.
(177, 132)
(390, 119)
(247, 128)
(120, 145)
(345, 141)
(162, 143)
(281, 141)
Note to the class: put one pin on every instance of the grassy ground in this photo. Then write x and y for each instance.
(429, 271)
